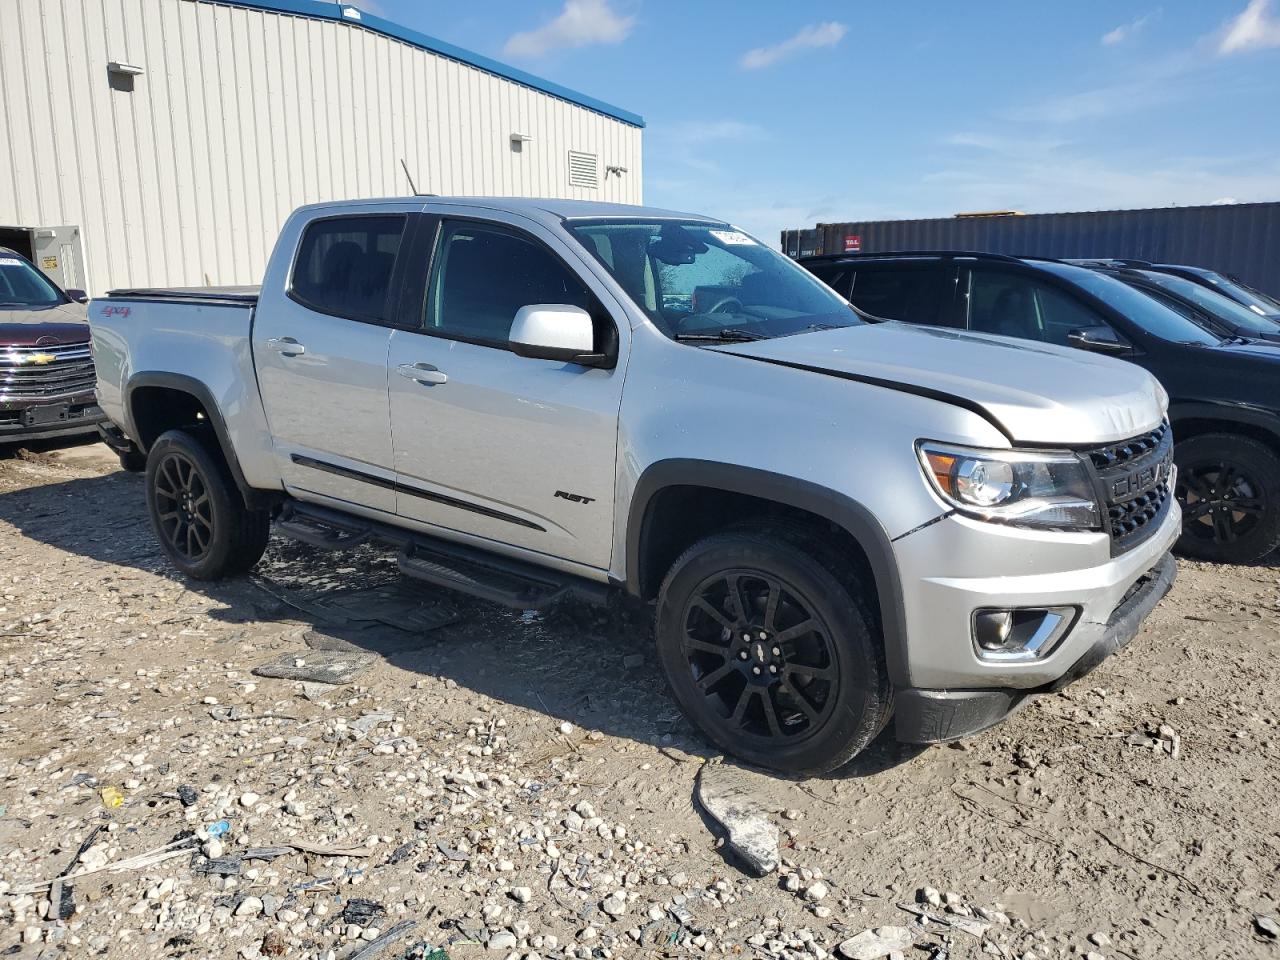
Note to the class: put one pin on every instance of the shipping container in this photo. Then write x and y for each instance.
(1241, 239)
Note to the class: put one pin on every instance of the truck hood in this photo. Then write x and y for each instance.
(44, 327)
(1035, 393)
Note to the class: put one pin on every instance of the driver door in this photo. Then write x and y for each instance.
(487, 444)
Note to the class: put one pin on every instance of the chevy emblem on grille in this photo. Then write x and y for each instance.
(1140, 481)
(41, 359)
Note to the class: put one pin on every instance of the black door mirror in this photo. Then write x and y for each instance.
(1099, 339)
(79, 296)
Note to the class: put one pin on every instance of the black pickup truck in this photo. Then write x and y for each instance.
(46, 371)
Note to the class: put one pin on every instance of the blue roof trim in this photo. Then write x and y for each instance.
(322, 10)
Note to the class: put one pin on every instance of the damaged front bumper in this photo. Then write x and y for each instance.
(937, 716)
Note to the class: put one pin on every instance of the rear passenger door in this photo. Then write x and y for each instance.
(918, 292)
(321, 356)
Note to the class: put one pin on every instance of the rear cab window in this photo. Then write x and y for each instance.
(344, 266)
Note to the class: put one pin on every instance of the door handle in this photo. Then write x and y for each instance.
(422, 373)
(287, 346)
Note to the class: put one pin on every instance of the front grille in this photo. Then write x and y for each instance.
(1134, 479)
(45, 373)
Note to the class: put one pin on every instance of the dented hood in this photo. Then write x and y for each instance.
(1036, 393)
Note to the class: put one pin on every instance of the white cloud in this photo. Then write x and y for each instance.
(1126, 30)
(580, 24)
(1254, 28)
(811, 37)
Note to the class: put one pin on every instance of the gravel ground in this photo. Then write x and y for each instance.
(506, 785)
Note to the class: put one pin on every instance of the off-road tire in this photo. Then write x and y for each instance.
(1260, 466)
(235, 536)
(805, 563)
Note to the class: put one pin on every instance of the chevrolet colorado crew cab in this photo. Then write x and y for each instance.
(841, 524)
(46, 372)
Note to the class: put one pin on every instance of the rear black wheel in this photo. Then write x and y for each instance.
(769, 652)
(197, 512)
(1229, 490)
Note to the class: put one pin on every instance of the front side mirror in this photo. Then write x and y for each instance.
(1099, 339)
(557, 331)
(79, 296)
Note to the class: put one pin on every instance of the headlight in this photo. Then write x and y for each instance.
(1046, 490)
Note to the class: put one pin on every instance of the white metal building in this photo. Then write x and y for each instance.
(163, 142)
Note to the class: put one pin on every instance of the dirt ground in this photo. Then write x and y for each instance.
(522, 786)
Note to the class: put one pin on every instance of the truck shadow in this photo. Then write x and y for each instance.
(590, 666)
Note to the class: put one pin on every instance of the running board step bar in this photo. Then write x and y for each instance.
(454, 566)
(321, 535)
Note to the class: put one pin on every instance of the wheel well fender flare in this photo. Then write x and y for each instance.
(1258, 419)
(843, 511)
(204, 396)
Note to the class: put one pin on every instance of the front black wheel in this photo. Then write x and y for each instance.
(197, 513)
(1229, 490)
(765, 643)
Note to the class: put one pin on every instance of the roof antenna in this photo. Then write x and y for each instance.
(409, 177)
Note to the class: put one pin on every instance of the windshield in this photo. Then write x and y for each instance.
(1152, 316)
(709, 281)
(22, 285)
(1255, 300)
(1239, 317)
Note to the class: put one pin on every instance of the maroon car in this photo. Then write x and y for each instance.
(46, 372)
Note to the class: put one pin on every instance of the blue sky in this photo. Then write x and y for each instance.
(777, 115)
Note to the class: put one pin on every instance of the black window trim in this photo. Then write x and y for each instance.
(394, 283)
(422, 297)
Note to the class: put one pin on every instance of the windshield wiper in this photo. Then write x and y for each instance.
(728, 335)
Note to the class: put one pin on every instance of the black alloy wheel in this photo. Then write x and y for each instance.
(767, 644)
(1229, 490)
(198, 513)
(760, 655)
(184, 510)
(1220, 501)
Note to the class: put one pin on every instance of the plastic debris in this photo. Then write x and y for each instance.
(722, 792)
(111, 797)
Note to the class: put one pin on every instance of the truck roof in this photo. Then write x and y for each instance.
(536, 207)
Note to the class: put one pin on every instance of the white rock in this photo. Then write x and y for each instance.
(249, 907)
(248, 799)
(521, 894)
(503, 940)
(815, 891)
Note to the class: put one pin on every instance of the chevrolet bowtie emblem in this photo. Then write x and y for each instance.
(41, 358)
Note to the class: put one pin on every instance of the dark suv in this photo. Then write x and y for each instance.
(46, 372)
(1224, 392)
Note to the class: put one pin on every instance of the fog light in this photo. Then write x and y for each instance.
(1020, 634)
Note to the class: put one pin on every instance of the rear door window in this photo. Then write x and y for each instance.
(1017, 305)
(345, 265)
(912, 292)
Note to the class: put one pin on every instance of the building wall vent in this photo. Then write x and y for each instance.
(583, 170)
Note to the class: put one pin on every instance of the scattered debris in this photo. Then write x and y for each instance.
(877, 943)
(722, 792)
(316, 666)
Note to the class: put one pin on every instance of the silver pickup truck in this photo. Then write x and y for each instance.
(840, 522)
